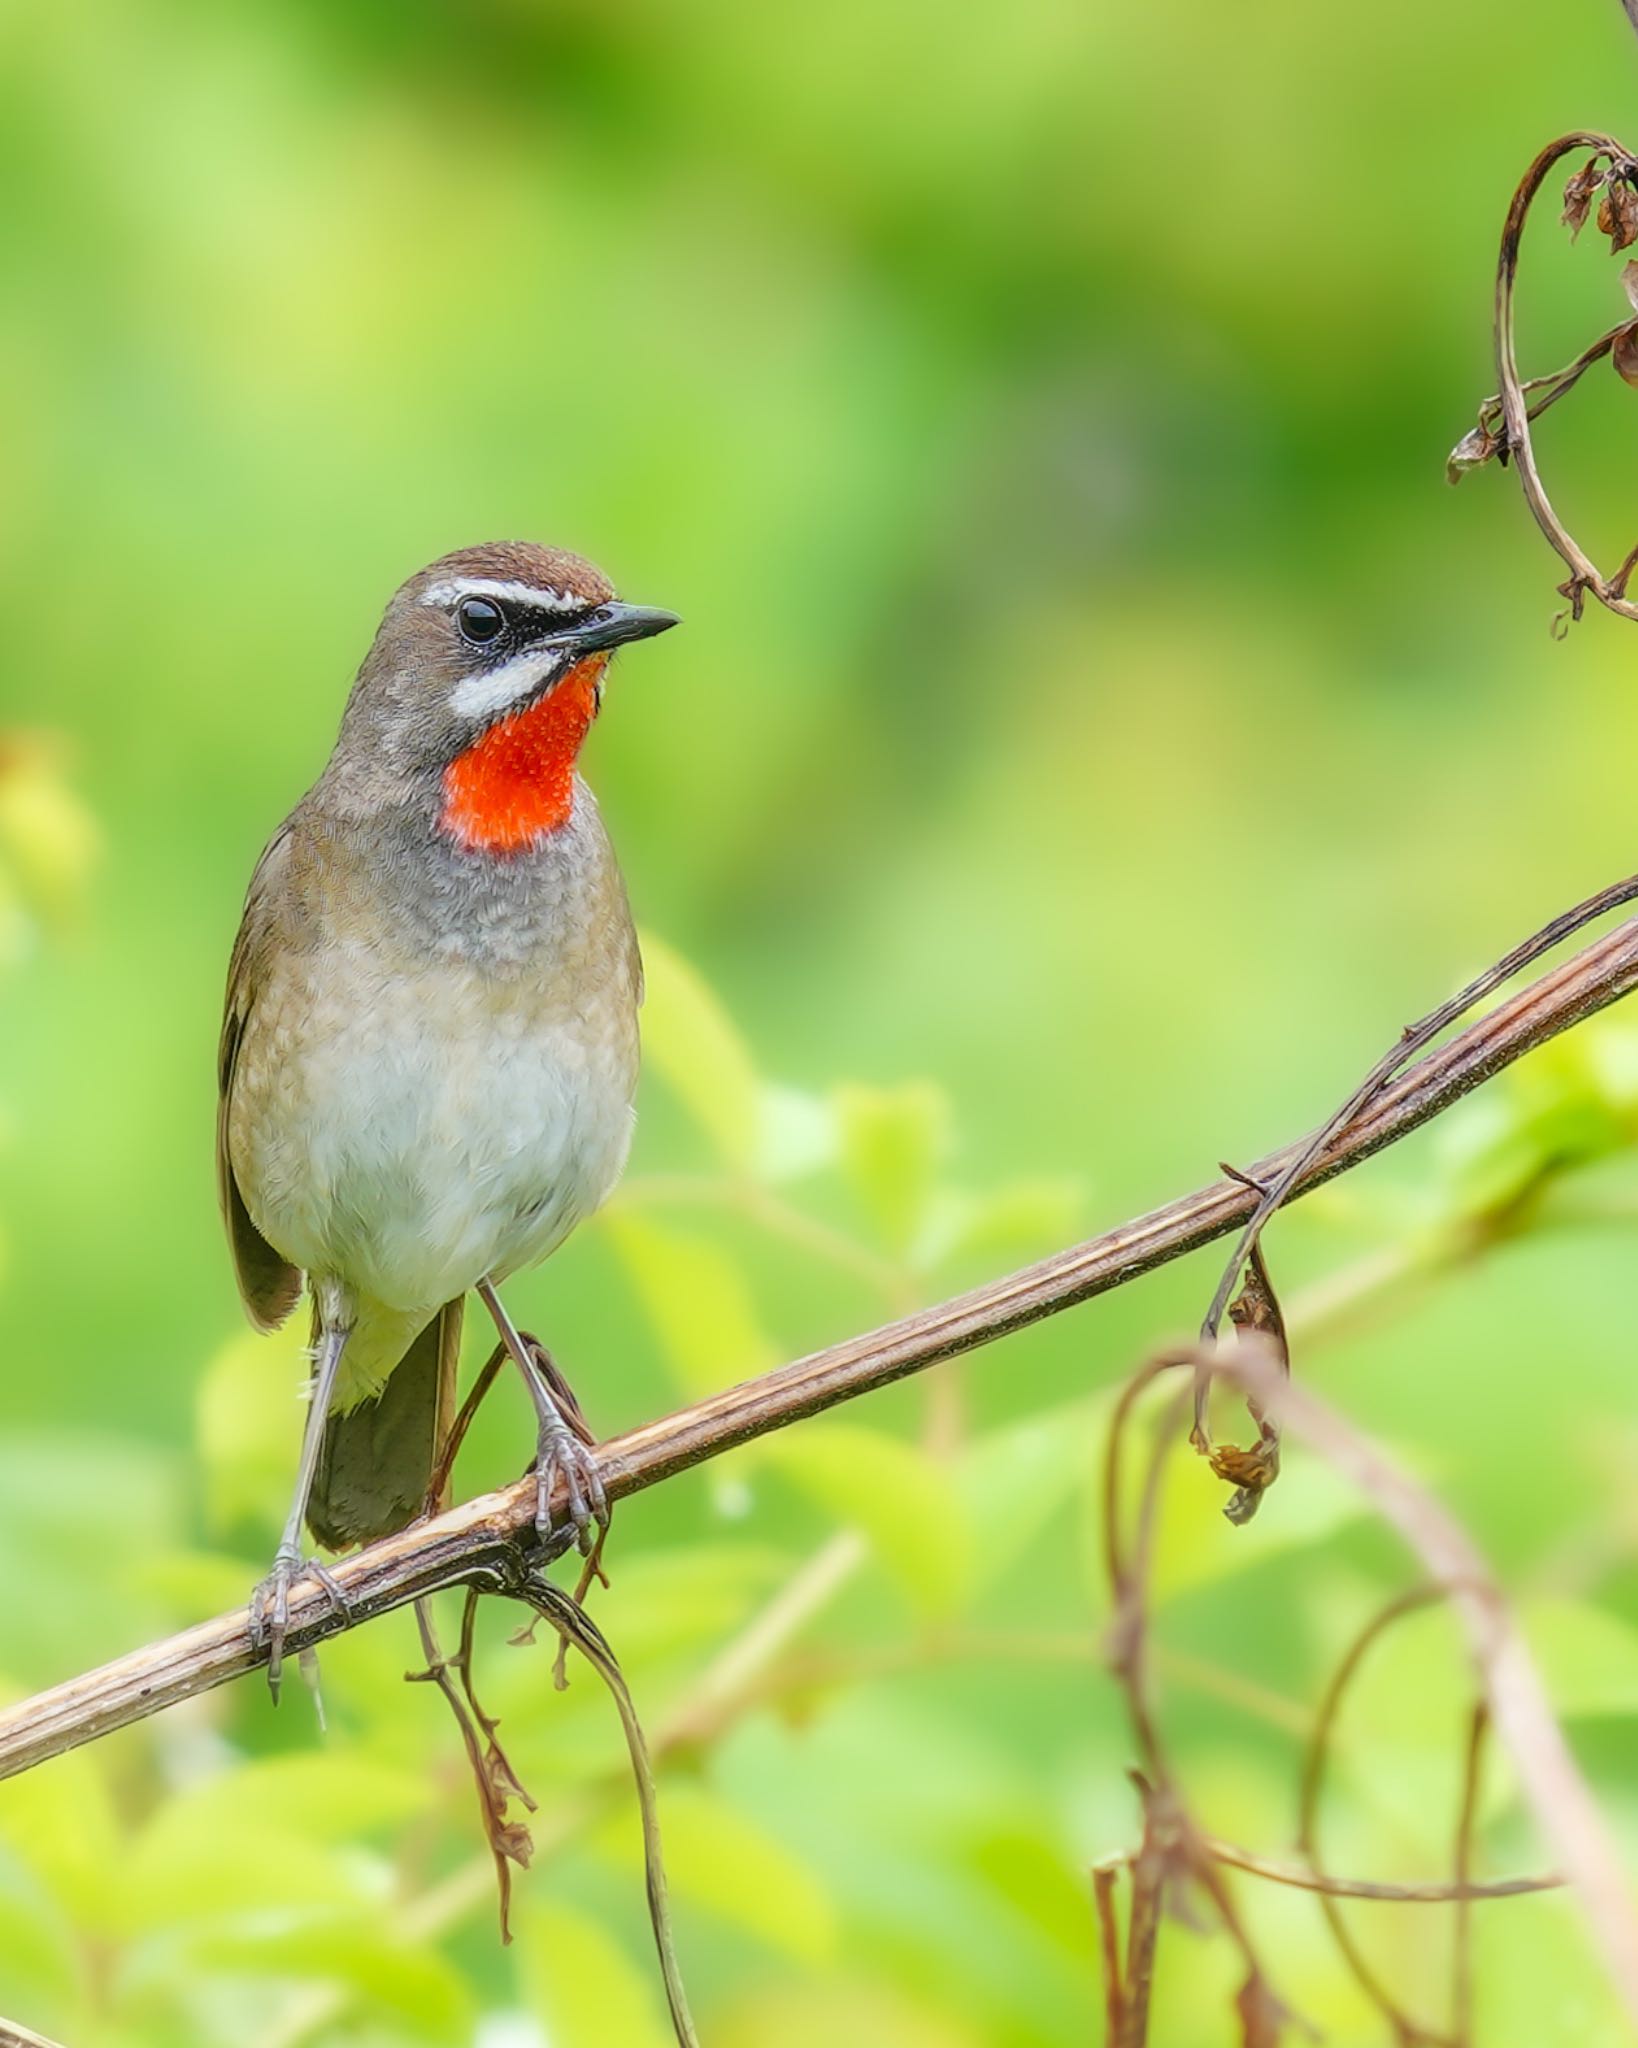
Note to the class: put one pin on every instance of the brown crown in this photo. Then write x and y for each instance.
(523, 561)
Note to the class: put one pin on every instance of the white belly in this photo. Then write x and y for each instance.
(410, 1161)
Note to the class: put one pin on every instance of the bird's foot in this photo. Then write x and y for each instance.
(559, 1452)
(270, 1605)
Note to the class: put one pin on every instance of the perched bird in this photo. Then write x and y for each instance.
(429, 1051)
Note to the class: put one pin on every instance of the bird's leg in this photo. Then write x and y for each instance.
(270, 1603)
(559, 1446)
(568, 1401)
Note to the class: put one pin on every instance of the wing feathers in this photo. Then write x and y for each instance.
(269, 1285)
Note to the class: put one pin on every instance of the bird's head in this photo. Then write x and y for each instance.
(485, 676)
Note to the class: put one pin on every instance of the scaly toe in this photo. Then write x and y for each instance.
(269, 1616)
(587, 1504)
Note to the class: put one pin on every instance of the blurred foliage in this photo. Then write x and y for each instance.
(1095, 730)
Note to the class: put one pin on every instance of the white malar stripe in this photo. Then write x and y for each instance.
(530, 594)
(481, 696)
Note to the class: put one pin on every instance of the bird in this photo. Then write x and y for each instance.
(429, 1047)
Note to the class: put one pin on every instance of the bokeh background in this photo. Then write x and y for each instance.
(1096, 730)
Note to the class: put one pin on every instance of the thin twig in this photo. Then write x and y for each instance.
(1461, 2000)
(509, 1841)
(573, 1623)
(1151, 1868)
(479, 1541)
(1105, 1878)
(1238, 1858)
(1308, 1804)
(450, 1449)
(1584, 574)
(1551, 388)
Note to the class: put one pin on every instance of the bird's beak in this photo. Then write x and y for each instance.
(612, 625)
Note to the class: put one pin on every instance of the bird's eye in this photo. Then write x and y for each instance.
(478, 619)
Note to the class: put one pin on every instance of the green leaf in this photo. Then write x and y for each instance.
(1194, 1545)
(47, 836)
(60, 1823)
(1017, 1219)
(818, 2015)
(698, 1301)
(688, 1594)
(690, 1040)
(1015, 1479)
(198, 1859)
(799, 1133)
(196, 1582)
(1588, 1657)
(68, 1572)
(718, 1857)
(40, 1957)
(588, 1991)
(1565, 1106)
(392, 1973)
(903, 1500)
(893, 1140)
(325, 1795)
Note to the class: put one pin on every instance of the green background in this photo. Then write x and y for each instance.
(1096, 729)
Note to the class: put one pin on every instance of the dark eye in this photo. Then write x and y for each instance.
(478, 619)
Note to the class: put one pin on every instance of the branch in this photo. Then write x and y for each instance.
(483, 1542)
(1610, 176)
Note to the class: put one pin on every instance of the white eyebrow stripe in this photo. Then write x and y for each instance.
(482, 695)
(530, 594)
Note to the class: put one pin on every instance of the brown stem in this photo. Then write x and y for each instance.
(508, 1841)
(1584, 572)
(1238, 1858)
(1105, 1877)
(1461, 2002)
(1150, 1869)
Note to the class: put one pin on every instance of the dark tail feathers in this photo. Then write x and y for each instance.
(376, 1461)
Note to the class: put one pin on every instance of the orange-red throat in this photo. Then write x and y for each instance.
(516, 784)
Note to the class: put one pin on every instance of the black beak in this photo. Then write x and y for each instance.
(612, 625)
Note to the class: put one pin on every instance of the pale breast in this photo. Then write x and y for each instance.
(439, 1095)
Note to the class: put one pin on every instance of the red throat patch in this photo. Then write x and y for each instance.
(516, 784)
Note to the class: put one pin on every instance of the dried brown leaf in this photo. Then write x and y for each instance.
(1618, 213)
(1578, 196)
(1262, 2017)
(1624, 351)
(1257, 1306)
(1254, 1311)
(513, 1840)
(1251, 1472)
(1476, 447)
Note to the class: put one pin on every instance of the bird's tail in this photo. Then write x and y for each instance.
(376, 1460)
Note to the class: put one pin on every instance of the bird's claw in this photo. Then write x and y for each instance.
(270, 1605)
(558, 1451)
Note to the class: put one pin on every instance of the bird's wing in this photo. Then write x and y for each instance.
(268, 1283)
